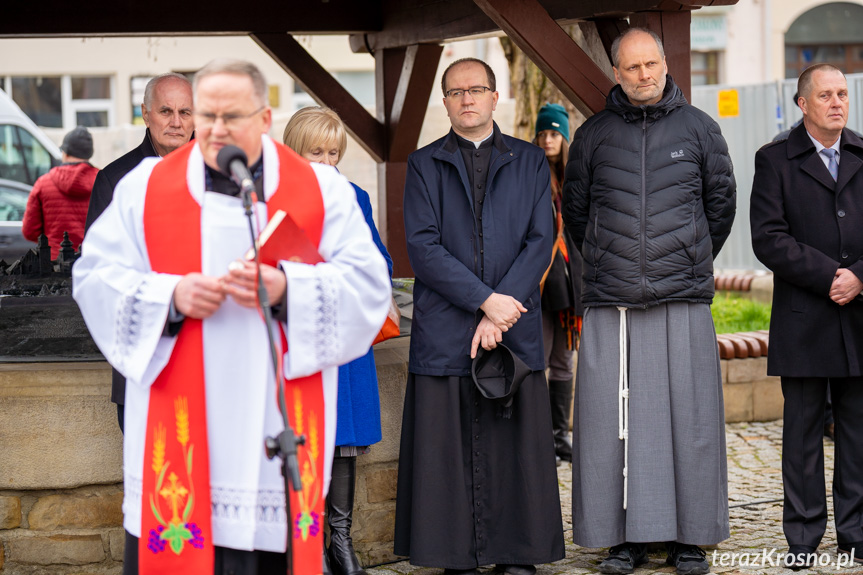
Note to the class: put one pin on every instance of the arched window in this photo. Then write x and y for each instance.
(829, 34)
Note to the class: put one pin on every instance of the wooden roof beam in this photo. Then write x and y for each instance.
(609, 29)
(557, 55)
(408, 22)
(410, 102)
(190, 17)
(326, 90)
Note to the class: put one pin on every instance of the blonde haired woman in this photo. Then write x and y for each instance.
(318, 135)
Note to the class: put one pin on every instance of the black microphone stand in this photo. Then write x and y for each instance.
(284, 445)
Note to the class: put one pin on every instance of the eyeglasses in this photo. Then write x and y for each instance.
(207, 120)
(475, 92)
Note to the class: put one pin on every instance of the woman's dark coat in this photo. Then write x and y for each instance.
(805, 226)
(445, 253)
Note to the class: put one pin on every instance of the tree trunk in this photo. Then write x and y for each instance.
(532, 89)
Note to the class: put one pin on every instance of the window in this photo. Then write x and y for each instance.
(36, 157)
(301, 98)
(705, 68)
(91, 119)
(360, 85)
(22, 157)
(11, 158)
(91, 88)
(12, 204)
(847, 57)
(40, 98)
(138, 86)
(828, 34)
(64, 101)
(88, 101)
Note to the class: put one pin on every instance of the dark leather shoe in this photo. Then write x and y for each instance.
(853, 549)
(687, 559)
(516, 569)
(460, 572)
(800, 557)
(624, 558)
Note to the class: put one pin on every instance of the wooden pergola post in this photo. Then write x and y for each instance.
(403, 80)
(673, 28)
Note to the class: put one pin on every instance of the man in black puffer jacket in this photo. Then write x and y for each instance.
(650, 198)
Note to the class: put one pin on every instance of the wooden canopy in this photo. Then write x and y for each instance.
(405, 38)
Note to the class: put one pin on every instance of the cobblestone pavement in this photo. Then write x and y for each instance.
(755, 508)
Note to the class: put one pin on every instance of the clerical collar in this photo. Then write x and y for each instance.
(484, 143)
(218, 182)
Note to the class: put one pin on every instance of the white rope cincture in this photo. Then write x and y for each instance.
(623, 400)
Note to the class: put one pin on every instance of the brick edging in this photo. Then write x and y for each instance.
(733, 282)
(743, 344)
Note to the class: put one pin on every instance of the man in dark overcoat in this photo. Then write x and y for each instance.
(167, 113)
(477, 480)
(806, 214)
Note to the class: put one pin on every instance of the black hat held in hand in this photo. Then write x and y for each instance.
(498, 374)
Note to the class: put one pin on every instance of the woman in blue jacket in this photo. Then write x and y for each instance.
(318, 135)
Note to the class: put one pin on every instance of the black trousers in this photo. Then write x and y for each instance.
(228, 561)
(805, 514)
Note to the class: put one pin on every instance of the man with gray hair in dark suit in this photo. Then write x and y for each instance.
(167, 113)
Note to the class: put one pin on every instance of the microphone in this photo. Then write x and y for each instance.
(233, 162)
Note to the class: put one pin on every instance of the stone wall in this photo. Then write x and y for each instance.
(750, 395)
(60, 470)
(375, 506)
(61, 461)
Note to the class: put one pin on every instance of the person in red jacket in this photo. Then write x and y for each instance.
(59, 199)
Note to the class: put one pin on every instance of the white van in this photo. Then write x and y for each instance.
(25, 152)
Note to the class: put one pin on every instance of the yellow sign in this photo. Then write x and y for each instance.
(273, 95)
(729, 104)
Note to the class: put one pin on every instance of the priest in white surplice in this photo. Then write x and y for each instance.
(180, 213)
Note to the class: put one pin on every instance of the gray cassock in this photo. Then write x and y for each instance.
(677, 485)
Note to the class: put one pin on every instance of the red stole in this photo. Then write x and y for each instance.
(176, 530)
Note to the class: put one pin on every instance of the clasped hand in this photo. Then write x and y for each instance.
(198, 296)
(501, 313)
(846, 286)
(502, 310)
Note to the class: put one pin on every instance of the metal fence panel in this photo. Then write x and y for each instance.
(755, 125)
